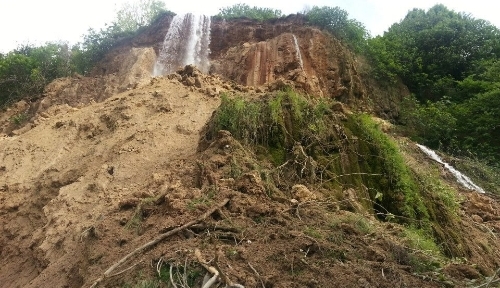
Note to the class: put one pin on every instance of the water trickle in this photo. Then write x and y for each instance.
(461, 178)
(187, 42)
(297, 51)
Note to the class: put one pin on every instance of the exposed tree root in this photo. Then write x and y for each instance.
(158, 239)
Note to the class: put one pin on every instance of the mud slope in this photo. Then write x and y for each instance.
(106, 163)
(70, 172)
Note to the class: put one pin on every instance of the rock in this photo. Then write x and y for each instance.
(183, 130)
(338, 107)
(197, 82)
(250, 183)
(190, 81)
(477, 218)
(302, 193)
(353, 202)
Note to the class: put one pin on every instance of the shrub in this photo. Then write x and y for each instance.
(244, 11)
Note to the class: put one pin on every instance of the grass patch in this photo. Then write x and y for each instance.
(204, 200)
(400, 194)
(424, 254)
(313, 232)
(19, 119)
(275, 122)
(359, 222)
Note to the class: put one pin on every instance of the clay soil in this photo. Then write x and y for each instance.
(87, 184)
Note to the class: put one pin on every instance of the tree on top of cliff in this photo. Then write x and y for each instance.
(337, 22)
(133, 16)
(244, 11)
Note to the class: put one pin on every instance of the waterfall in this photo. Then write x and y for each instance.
(461, 178)
(297, 51)
(187, 42)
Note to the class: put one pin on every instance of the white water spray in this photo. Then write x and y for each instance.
(297, 51)
(187, 42)
(461, 178)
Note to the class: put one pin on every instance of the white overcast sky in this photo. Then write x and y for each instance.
(38, 21)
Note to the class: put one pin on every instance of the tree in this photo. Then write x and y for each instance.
(450, 62)
(132, 16)
(337, 22)
(434, 49)
(26, 70)
(244, 11)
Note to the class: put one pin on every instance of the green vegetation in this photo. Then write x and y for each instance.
(450, 62)
(28, 69)
(244, 11)
(133, 16)
(129, 22)
(19, 119)
(337, 22)
(277, 122)
(25, 71)
(397, 178)
(309, 144)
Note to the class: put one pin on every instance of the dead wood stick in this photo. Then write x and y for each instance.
(159, 239)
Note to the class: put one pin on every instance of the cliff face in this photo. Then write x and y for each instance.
(107, 162)
(256, 53)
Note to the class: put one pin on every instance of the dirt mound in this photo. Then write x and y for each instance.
(85, 186)
(70, 171)
(103, 164)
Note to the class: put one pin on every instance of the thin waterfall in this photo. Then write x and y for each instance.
(461, 178)
(187, 42)
(297, 51)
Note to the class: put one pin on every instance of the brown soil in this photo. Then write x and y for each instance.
(104, 164)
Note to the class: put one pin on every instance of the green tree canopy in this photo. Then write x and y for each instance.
(132, 16)
(450, 62)
(25, 71)
(244, 11)
(337, 22)
(431, 50)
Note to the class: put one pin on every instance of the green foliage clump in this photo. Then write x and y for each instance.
(241, 10)
(130, 20)
(401, 193)
(276, 122)
(431, 50)
(26, 70)
(450, 62)
(337, 22)
(431, 124)
(132, 16)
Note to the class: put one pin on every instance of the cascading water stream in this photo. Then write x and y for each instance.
(297, 51)
(187, 42)
(461, 178)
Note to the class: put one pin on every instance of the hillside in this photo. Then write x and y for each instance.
(303, 189)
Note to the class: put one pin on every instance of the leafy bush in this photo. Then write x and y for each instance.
(337, 22)
(401, 194)
(244, 11)
(26, 70)
(131, 18)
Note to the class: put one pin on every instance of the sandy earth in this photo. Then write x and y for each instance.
(70, 171)
(106, 163)
(73, 185)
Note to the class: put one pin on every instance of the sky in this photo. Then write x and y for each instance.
(39, 21)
